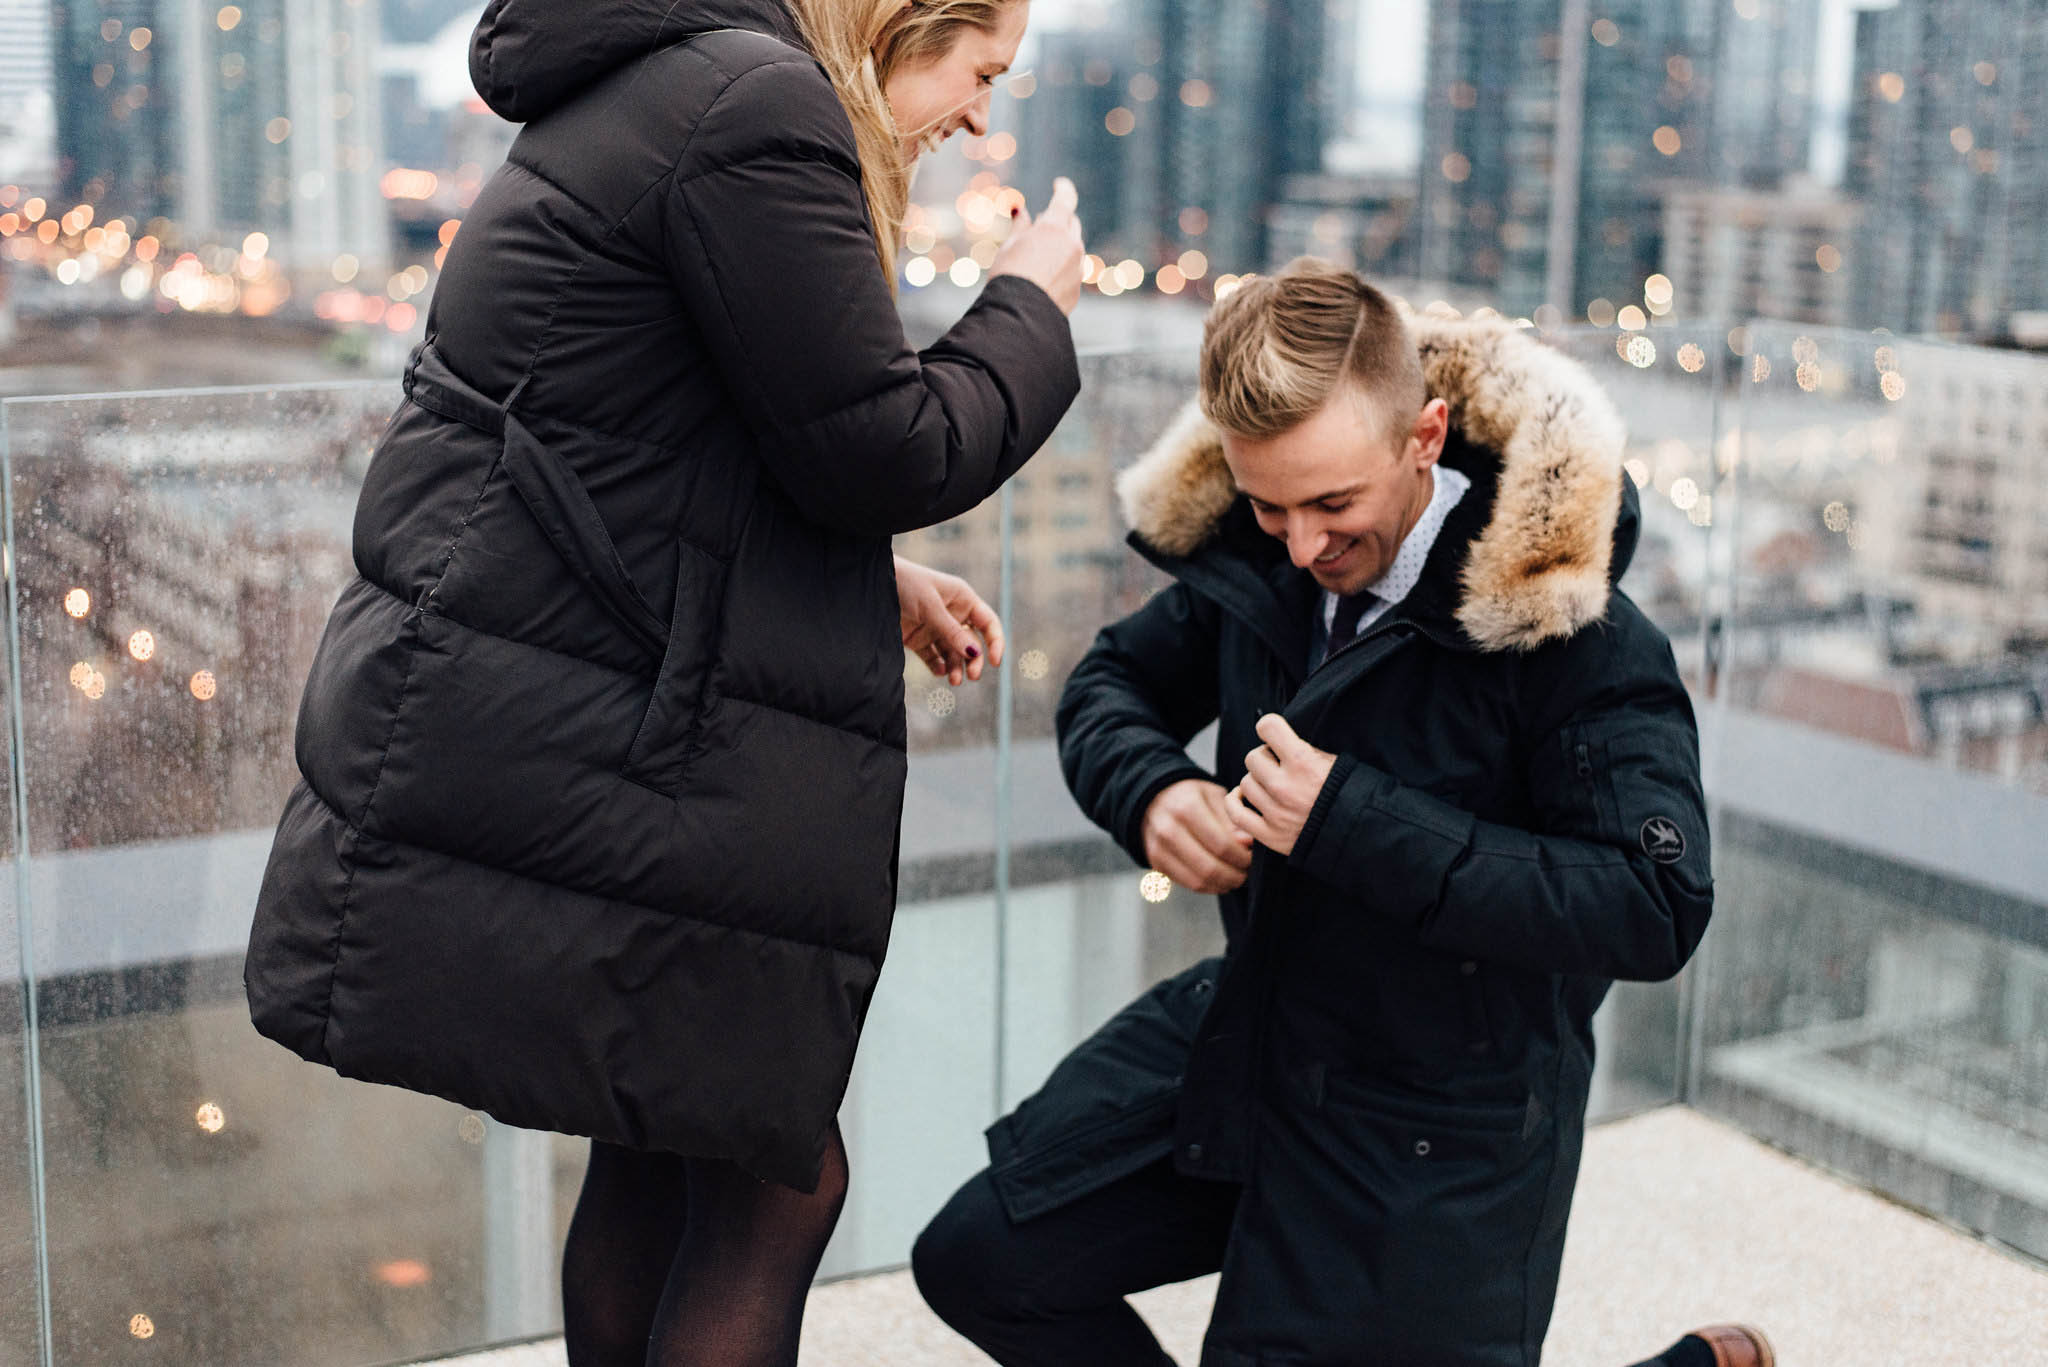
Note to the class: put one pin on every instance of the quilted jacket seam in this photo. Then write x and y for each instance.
(358, 834)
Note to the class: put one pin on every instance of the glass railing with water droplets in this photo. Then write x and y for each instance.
(1842, 535)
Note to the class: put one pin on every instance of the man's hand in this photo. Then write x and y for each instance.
(941, 614)
(1282, 780)
(1189, 838)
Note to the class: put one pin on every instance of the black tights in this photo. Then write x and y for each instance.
(644, 1286)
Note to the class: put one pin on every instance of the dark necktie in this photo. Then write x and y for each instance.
(1350, 610)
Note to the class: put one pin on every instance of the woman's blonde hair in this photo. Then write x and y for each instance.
(861, 43)
(1277, 347)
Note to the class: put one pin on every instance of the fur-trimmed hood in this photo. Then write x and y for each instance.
(1540, 568)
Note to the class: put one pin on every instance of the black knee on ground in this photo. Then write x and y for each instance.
(957, 1260)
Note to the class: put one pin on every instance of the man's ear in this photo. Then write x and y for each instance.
(1432, 429)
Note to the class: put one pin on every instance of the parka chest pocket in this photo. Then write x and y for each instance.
(661, 749)
(1638, 787)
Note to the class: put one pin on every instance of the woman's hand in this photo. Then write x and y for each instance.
(1047, 251)
(941, 615)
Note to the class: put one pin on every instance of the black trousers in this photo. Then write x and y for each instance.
(1050, 1292)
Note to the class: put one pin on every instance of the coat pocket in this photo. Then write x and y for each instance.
(1386, 1229)
(1425, 1129)
(662, 746)
(1108, 1108)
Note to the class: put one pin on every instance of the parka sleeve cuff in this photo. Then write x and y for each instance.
(1382, 842)
(1132, 828)
(1026, 345)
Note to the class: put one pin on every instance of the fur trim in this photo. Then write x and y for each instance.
(1538, 572)
(1180, 489)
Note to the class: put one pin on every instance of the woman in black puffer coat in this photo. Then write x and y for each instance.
(602, 754)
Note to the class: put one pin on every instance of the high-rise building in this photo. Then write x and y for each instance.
(1547, 155)
(1181, 127)
(1949, 149)
(1065, 128)
(1362, 221)
(226, 120)
(27, 114)
(1735, 253)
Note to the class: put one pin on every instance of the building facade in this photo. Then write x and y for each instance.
(215, 122)
(1181, 125)
(1365, 222)
(1738, 253)
(28, 151)
(1526, 124)
(1949, 149)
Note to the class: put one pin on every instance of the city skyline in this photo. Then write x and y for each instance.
(314, 160)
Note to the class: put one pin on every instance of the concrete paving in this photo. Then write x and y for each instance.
(1679, 1221)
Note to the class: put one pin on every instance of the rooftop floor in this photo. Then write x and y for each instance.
(1679, 1221)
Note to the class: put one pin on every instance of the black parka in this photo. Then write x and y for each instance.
(603, 750)
(1393, 1056)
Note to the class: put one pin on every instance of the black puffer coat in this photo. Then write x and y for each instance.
(603, 751)
(1393, 1057)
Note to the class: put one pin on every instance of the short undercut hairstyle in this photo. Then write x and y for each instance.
(1278, 346)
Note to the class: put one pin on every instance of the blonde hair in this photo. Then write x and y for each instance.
(1278, 346)
(861, 43)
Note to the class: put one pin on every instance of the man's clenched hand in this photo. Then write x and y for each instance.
(1282, 780)
(1189, 838)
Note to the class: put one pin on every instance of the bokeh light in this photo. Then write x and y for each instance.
(404, 1273)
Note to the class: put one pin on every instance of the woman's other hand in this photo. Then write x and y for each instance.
(1048, 251)
(942, 616)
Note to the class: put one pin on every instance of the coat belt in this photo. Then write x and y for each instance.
(548, 487)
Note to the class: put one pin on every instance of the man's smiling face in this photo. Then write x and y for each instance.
(1341, 489)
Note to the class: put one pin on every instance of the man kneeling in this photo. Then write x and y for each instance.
(1456, 793)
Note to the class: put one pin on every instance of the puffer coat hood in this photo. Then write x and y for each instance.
(528, 57)
(602, 754)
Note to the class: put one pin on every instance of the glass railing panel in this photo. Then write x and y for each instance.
(924, 1080)
(207, 1192)
(1669, 385)
(249, 1207)
(20, 1268)
(1877, 991)
(1082, 940)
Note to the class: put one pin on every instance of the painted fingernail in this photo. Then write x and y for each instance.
(973, 652)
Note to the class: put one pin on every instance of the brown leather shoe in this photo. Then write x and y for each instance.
(1737, 1345)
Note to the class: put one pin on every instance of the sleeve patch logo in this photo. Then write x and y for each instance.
(1662, 840)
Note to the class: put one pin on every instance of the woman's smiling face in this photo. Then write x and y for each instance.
(933, 100)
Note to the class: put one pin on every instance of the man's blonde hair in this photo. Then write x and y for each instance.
(1278, 346)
